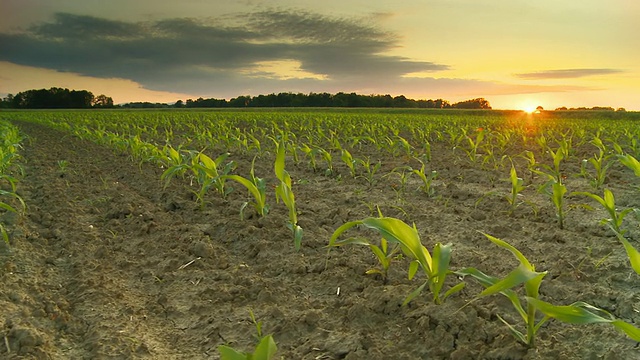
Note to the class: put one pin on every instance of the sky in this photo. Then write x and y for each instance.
(514, 53)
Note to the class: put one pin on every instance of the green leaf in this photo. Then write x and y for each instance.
(344, 227)
(583, 313)
(505, 245)
(516, 277)
(456, 288)
(441, 260)
(632, 253)
(266, 349)
(396, 231)
(517, 334)
(487, 281)
(630, 162)
(631, 331)
(229, 353)
(414, 293)
(413, 268)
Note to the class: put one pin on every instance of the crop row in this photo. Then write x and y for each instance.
(9, 145)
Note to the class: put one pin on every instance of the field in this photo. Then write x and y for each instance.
(139, 237)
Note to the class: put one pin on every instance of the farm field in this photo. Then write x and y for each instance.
(133, 245)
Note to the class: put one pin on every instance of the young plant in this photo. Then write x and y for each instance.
(630, 162)
(474, 144)
(257, 188)
(284, 192)
(311, 154)
(369, 170)
(326, 155)
(556, 192)
(614, 222)
(598, 161)
(427, 179)
(210, 174)
(608, 202)
(403, 173)
(517, 185)
(349, 161)
(435, 266)
(265, 350)
(382, 253)
(576, 313)
(525, 274)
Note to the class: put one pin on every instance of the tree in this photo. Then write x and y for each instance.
(102, 101)
(479, 103)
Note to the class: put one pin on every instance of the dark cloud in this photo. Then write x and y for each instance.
(566, 73)
(190, 55)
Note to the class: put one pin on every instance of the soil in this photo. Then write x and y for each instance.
(106, 263)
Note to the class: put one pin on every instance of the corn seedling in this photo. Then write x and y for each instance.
(427, 179)
(630, 162)
(435, 266)
(383, 254)
(403, 172)
(256, 186)
(608, 202)
(517, 185)
(576, 313)
(369, 170)
(328, 158)
(553, 174)
(474, 144)
(265, 350)
(62, 166)
(311, 154)
(284, 192)
(349, 161)
(583, 313)
(614, 222)
(524, 274)
(210, 174)
(632, 253)
(599, 165)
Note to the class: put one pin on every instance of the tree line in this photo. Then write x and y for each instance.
(59, 98)
(341, 99)
(56, 98)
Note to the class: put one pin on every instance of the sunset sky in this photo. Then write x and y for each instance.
(513, 53)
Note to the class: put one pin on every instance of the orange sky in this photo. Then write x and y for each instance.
(514, 53)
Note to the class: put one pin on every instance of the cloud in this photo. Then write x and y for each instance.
(567, 73)
(191, 55)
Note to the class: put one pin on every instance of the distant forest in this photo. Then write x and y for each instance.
(58, 98)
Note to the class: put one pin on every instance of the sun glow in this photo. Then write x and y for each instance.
(528, 106)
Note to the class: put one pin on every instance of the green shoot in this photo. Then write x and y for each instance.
(630, 162)
(583, 313)
(349, 161)
(435, 266)
(284, 192)
(427, 179)
(632, 253)
(599, 165)
(517, 185)
(257, 188)
(524, 274)
(608, 202)
(265, 350)
(370, 170)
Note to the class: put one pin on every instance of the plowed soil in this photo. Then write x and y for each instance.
(106, 263)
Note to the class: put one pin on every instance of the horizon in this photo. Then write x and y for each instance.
(516, 55)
